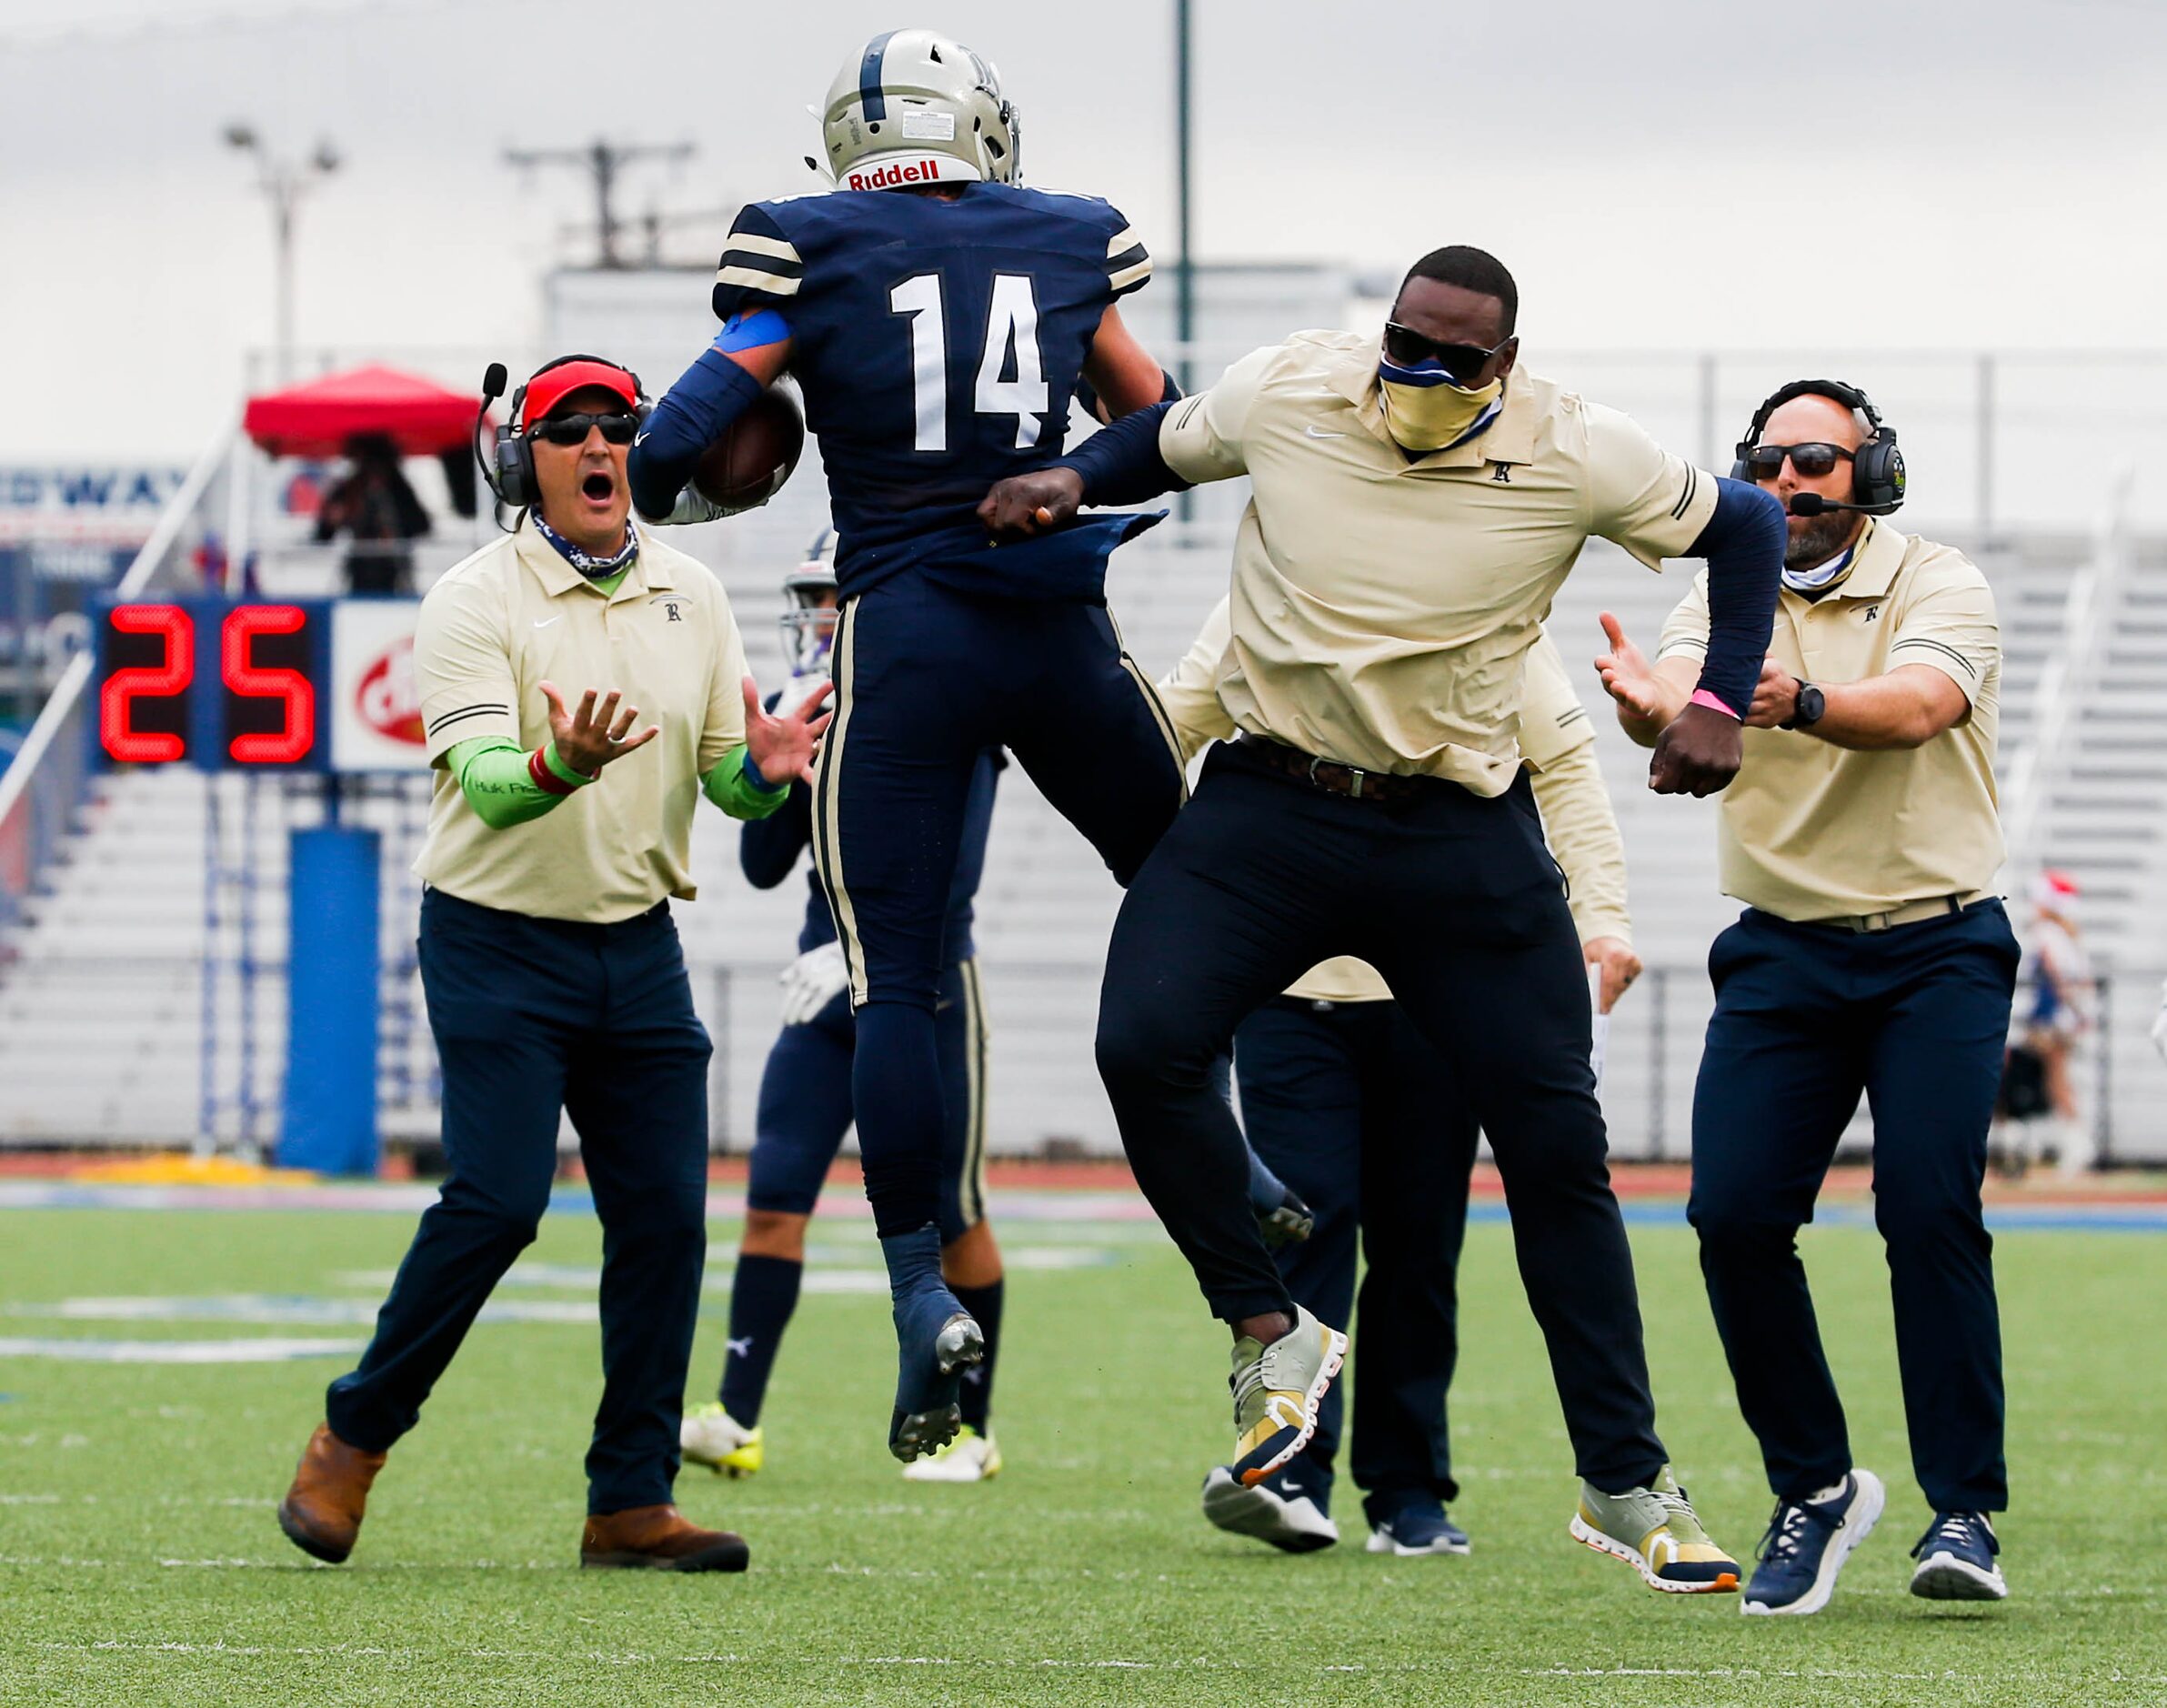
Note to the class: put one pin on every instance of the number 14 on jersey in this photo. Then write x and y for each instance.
(1011, 326)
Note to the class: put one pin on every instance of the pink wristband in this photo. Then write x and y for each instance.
(1702, 696)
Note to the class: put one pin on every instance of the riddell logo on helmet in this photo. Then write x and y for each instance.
(925, 170)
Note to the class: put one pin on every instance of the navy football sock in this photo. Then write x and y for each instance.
(977, 1396)
(895, 1077)
(762, 1298)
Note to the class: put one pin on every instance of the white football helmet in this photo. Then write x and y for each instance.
(808, 619)
(916, 107)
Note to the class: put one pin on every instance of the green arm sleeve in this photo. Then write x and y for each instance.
(730, 787)
(493, 776)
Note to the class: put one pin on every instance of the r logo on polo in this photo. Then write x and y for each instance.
(674, 615)
(1501, 473)
(1872, 611)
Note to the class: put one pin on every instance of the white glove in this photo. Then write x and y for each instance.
(691, 507)
(811, 982)
(2159, 1025)
(799, 689)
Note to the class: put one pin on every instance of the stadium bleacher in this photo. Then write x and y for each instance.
(112, 1029)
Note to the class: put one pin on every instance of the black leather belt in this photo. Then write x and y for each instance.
(1332, 777)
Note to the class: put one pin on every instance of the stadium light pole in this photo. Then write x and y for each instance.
(283, 183)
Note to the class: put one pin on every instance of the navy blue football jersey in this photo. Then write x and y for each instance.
(768, 850)
(938, 342)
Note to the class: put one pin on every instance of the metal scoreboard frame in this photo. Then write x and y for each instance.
(317, 686)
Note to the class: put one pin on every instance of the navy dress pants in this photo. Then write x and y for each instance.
(1807, 1019)
(1454, 899)
(1355, 1109)
(533, 1016)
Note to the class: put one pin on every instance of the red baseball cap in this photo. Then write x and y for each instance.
(552, 385)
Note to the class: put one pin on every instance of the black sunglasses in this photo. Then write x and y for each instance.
(1766, 461)
(1463, 362)
(617, 428)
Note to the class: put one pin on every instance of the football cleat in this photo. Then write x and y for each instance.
(710, 1436)
(935, 1343)
(969, 1458)
(1276, 1391)
(1281, 1510)
(1956, 1560)
(1654, 1530)
(1806, 1546)
(1418, 1530)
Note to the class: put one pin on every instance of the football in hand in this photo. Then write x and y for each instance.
(749, 464)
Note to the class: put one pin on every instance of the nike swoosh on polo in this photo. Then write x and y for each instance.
(1315, 433)
(558, 619)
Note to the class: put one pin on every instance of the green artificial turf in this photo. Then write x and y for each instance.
(139, 1561)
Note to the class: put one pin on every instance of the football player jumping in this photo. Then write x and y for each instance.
(937, 315)
(805, 1106)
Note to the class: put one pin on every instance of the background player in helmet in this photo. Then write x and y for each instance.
(936, 316)
(805, 1106)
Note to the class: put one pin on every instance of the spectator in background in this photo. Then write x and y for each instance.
(2060, 974)
(380, 515)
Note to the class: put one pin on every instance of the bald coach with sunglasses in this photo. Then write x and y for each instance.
(1416, 501)
(1873, 958)
(558, 836)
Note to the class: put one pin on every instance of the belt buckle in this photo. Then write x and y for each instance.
(1354, 775)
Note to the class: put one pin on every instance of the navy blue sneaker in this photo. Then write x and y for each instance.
(1956, 1560)
(935, 1340)
(1422, 1528)
(1290, 1509)
(1807, 1543)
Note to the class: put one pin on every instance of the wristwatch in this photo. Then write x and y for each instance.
(1806, 712)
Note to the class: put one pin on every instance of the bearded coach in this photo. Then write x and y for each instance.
(559, 836)
(1873, 958)
(1418, 499)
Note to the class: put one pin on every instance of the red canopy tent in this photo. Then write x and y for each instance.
(316, 418)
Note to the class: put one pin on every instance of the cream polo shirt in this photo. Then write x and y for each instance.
(1382, 608)
(516, 614)
(1556, 742)
(1812, 831)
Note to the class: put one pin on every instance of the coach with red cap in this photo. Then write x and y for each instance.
(582, 686)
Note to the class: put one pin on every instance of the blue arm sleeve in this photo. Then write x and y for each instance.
(1743, 543)
(768, 848)
(1122, 465)
(710, 394)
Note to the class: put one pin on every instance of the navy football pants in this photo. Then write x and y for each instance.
(1456, 900)
(1355, 1109)
(806, 1106)
(1807, 1017)
(925, 680)
(533, 1016)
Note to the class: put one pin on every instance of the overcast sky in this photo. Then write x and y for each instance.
(1659, 175)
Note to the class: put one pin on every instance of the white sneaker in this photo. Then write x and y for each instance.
(710, 1436)
(1278, 1510)
(969, 1458)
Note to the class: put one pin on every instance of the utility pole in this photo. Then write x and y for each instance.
(283, 183)
(602, 161)
(1185, 296)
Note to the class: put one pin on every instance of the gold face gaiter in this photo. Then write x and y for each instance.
(1424, 411)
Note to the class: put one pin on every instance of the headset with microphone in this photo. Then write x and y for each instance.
(1877, 476)
(510, 472)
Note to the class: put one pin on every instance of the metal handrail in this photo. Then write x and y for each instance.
(15, 780)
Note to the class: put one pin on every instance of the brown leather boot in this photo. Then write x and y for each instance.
(321, 1513)
(662, 1538)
